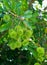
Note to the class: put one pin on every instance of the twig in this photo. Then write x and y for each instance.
(15, 15)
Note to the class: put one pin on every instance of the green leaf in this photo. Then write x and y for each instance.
(28, 14)
(27, 24)
(37, 64)
(7, 4)
(5, 27)
(40, 1)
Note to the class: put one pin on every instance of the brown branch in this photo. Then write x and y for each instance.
(15, 15)
(19, 17)
(30, 3)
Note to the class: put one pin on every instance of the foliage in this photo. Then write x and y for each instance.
(23, 33)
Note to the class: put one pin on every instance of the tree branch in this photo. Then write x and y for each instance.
(30, 3)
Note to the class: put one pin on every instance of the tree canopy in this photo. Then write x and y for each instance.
(23, 32)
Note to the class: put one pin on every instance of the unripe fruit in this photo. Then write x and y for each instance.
(40, 51)
(12, 34)
(6, 17)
